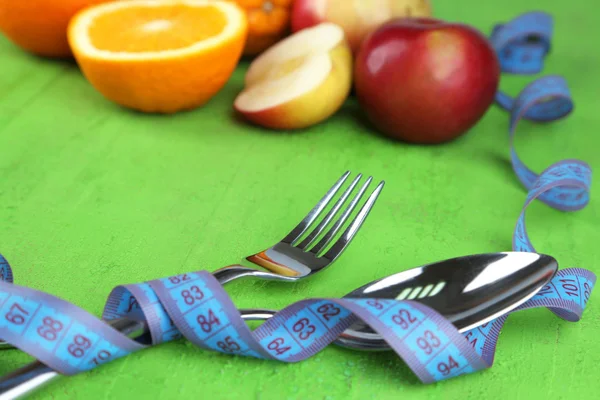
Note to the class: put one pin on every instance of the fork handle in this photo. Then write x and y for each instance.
(232, 272)
(224, 275)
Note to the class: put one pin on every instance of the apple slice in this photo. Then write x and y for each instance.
(300, 81)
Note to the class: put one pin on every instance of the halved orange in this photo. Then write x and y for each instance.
(157, 55)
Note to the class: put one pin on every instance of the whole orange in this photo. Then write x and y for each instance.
(268, 23)
(40, 26)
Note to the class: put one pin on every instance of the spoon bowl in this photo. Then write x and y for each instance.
(469, 291)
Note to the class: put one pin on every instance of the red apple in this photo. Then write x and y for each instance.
(356, 17)
(424, 80)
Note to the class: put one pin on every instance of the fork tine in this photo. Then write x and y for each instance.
(338, 224)
(315, 232)
(299, 230)
(350, 232)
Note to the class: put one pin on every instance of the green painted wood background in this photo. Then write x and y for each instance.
(92, 196)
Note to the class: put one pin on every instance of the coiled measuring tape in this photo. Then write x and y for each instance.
(195, 306)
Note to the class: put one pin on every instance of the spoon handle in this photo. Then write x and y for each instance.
(26, 380)
(33, 376)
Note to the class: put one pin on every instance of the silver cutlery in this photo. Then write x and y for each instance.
(469, 291)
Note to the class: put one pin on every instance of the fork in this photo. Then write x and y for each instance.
(293, 258)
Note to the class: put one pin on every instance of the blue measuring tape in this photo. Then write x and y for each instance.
(195, 306)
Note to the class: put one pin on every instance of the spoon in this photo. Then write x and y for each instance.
(468, 291)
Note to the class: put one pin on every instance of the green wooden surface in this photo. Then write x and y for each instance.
(92, 196)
